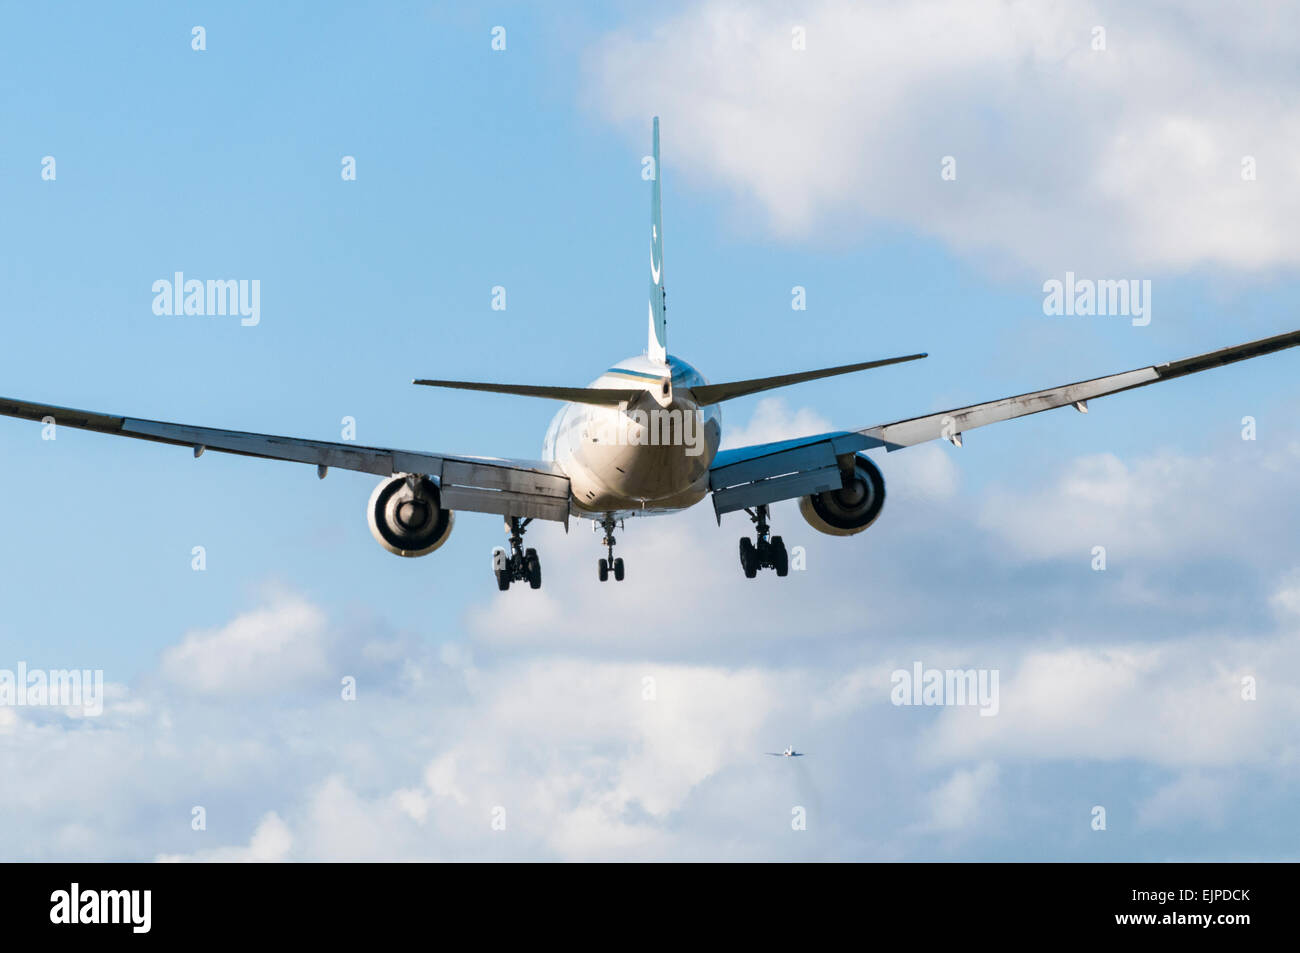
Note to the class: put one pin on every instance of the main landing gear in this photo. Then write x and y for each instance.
(765, 552)
(522, 564)
(605, 566)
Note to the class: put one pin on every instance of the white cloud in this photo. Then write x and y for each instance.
(1286, 600)
(774, 420)
(920, 473)
(584, 766)
(1159, 503)
(582, 762)
(1177, 703)
(269, 843)
(1191, 798)
(1067, 158)
(267, 649)
(962, 800)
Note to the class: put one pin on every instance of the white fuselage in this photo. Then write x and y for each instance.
(652, 456)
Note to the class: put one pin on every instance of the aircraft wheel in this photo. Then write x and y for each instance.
(780, 558)
(534, 567)
(618, 569)
(748, 557)
(603, 568)
(503, 579)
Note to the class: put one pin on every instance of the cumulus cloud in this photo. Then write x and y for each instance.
(1067, 156)
(1191, 798)
(774, 419)
(283, 643)
(574, 759)
(962, 800)
(1286, 600)
(270, 842)
(1178, 703)
(1215, 504)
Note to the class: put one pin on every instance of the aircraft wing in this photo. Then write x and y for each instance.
(770, 472)
(951, 423)
(523, 488)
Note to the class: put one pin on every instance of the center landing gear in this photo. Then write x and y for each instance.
(605, 565)
(522, 564)
(765, 552)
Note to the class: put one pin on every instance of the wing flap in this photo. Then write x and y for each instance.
(844, 441)
(491, 476)
(504, 503)
(775, 489)
(771, 472)
(485, 488)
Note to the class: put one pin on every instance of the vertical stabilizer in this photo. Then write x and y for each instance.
(658, 344)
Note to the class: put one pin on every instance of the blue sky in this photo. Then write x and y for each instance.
(521, 168)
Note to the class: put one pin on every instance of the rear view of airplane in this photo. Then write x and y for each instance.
(787, 753)
(642, 439)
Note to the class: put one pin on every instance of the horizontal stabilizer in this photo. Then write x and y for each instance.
(713, 393)
(576, 395)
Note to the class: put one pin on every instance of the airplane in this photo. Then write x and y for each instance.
(787, 753)
(642, 439)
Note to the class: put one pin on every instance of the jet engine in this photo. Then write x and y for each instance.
(853, 507)
(406, 515)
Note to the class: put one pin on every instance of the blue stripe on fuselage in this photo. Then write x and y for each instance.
(639, 374)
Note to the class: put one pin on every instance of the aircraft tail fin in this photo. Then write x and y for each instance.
(657, 348)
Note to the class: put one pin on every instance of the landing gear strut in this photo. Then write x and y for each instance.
(606, 565)
(522, 564)
(765, 552)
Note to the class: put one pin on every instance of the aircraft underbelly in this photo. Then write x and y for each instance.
(608, 478)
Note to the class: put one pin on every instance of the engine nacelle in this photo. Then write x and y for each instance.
(406, 515)
(850, 509)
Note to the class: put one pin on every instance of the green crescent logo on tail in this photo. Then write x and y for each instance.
(658, 310)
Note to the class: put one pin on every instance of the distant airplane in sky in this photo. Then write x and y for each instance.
(787, 753)
(642, 439)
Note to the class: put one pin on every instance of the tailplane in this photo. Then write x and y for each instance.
(715, 393)
(704, 393)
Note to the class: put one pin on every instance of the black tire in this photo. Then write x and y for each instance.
(503, 579)
(748, 557)
(780, 558)
(534, 567)
(618, 569)
(603, 568)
